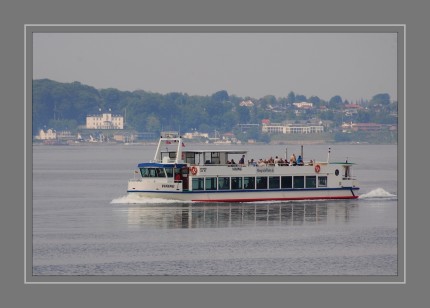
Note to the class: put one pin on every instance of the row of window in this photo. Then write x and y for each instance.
(259, 182)
(157, 172)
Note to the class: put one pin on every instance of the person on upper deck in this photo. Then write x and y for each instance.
(242, 160)
(293, 160)
(282, 162)
(300, 161)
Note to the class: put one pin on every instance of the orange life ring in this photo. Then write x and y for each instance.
(193, 170)
(317, 168)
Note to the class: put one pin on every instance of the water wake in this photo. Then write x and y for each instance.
(133, 199)
(378, 193)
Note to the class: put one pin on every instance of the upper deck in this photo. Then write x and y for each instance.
(216, 162)
(170, 150)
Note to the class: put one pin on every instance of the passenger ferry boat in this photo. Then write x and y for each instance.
(209, 176)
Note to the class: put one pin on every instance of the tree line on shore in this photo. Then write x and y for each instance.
(64, 106)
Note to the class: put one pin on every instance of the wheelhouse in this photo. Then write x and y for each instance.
(155, 170)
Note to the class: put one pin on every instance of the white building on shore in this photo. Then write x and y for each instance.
(275, 128)
(49, 134)
(303, 105)
(195, 135)
(105, 121)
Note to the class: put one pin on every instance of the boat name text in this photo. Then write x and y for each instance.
(265, 170)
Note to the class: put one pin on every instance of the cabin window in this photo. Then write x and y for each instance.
(144, 172)
(159, 173)
(286, 182)
(236, 183)
(152, 172)
(322, 181)
(197, 183)
(223, 183)
(261, 182)
(190, 158)
(210, 183)
(274, 182)
(299, 182)
(249, 182)
(169, 172)
(347, 175)
(215, 158)
(311, 181)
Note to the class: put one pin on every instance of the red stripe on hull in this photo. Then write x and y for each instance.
(276, 199)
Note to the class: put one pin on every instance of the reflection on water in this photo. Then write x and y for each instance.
(222, 215)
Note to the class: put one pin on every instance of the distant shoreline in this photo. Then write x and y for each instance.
(149, 143)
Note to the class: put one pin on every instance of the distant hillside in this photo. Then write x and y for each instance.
(57, 104)
(66, 105)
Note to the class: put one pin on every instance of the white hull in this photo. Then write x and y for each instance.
(248, 196)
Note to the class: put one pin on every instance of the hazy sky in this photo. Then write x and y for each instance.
(352, 65)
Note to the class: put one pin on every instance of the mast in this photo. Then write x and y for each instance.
(172, 140)
(301, 152)
(179, 151)
(158, 148)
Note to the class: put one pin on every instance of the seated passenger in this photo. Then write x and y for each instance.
(242, 160)
(293, 160)
(300, 161)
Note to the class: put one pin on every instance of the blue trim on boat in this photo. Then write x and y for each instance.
(160, 165)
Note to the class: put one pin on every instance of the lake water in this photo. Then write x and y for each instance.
(83, 223)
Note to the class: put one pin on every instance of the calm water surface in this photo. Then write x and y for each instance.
(83, 223)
